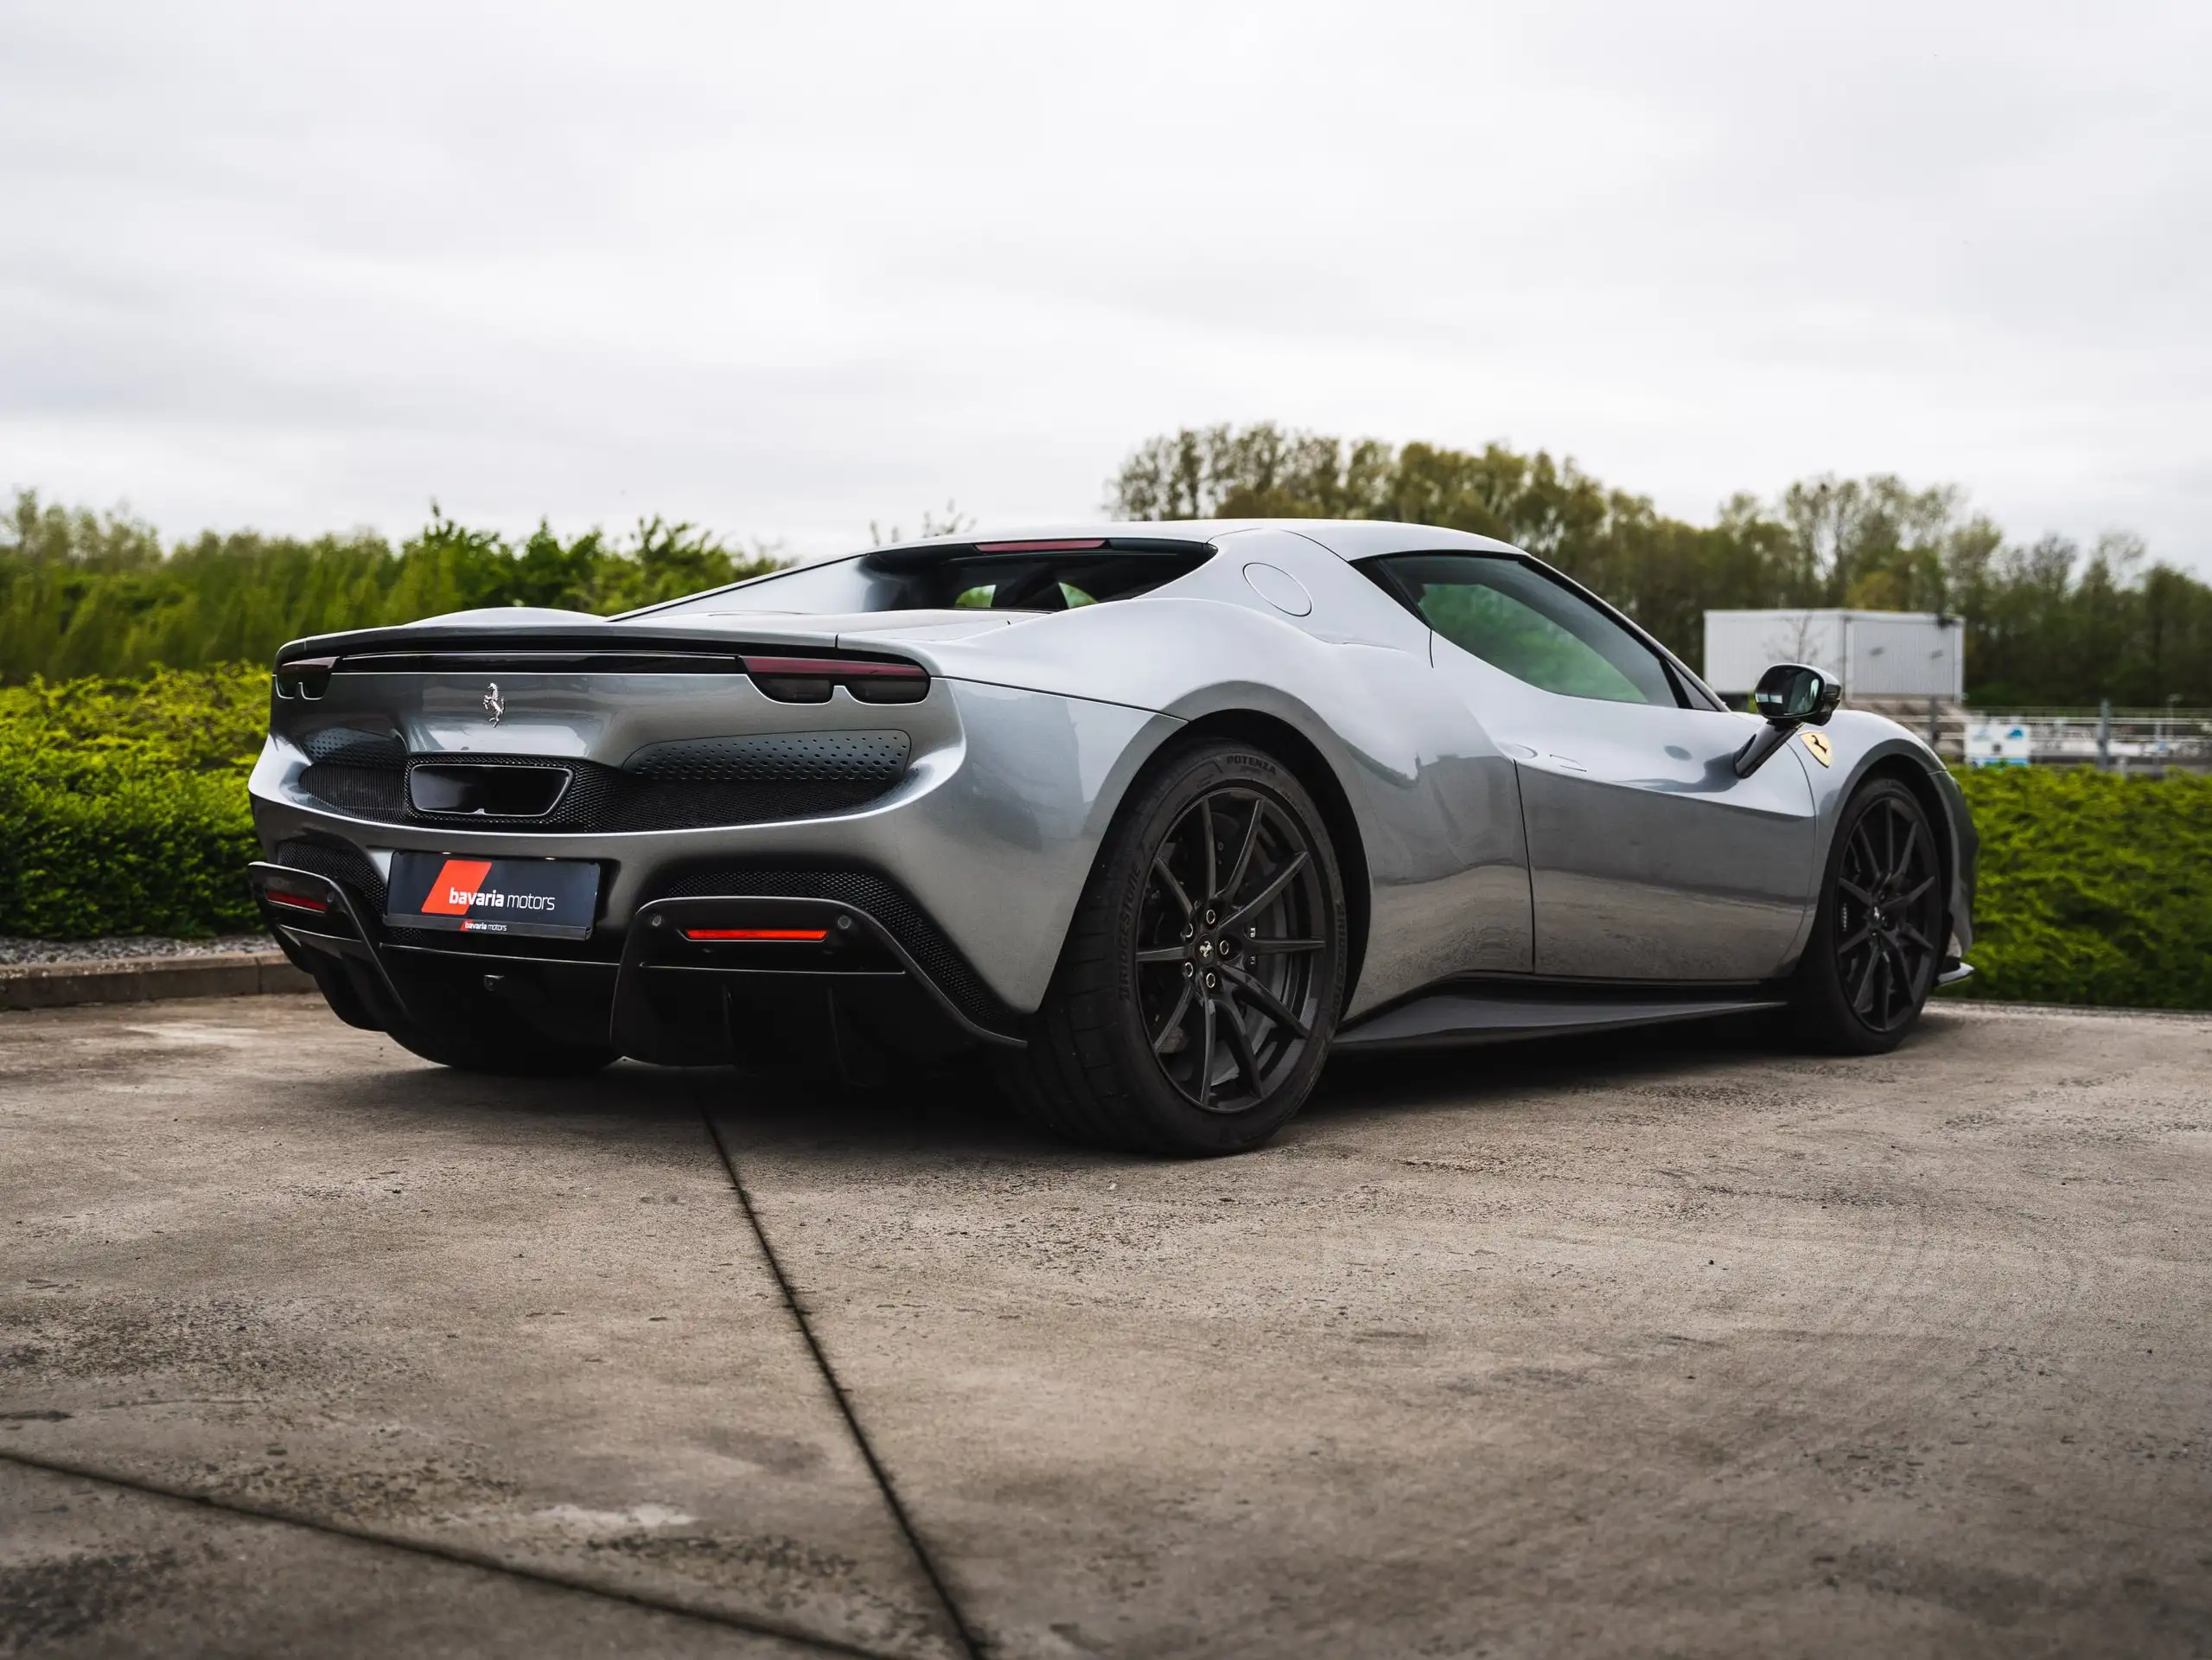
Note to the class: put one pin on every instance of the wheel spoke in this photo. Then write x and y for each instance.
(1862, 996)
(1907, 974)
(1851, 889)
(1850, 944)
(1914, 893)
(1244, 853)
(1240, 1043)
(1175, 888)
(1275, 884)
(1160, 953)
(1175, 1020)
(1865, 862)
(1909, 856)
(1267, 1003)
(1916, 937)
(1280, 947)
(1206, 835)
(1206, 1059)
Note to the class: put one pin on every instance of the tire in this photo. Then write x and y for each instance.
(1877, 938)
(512, 1052)
(1151, 980)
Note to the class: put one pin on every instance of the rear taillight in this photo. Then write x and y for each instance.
(801, 936)
(811, 679)
(304, 677)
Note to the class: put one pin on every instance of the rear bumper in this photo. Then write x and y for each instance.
(700, 978)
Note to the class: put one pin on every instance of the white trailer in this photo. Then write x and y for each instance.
(1874, 654)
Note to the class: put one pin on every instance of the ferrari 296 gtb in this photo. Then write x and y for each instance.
(1158, 816)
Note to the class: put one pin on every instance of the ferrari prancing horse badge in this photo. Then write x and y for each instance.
(1818, 743)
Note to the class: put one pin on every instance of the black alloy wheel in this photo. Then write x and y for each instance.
(1204, 972)
(1889, 914)
(1228, 942)
(1877, 941)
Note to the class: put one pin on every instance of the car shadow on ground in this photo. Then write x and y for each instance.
(957, 1111)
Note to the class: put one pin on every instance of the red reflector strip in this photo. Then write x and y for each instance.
(836, 666)
(805, 934)
(297, 901)
(1039, 547)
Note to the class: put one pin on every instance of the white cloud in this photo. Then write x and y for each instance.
(785, 269)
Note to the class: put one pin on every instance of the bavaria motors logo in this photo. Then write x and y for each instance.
(493, 705)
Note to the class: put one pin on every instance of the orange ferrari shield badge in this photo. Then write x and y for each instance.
(1818, 743)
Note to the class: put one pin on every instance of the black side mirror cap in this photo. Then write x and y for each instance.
(1790, 695)
(1797, 692)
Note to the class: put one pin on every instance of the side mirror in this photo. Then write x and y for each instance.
(1795, 693)
(1790, 695)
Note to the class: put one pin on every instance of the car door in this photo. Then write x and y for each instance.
(1649, 859)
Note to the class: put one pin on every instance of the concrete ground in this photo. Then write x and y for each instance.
(1672, 1346)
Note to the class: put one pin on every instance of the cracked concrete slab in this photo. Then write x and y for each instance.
(1680, 1345)
(251, 1254)
(93, 1570)
(1677, 1345)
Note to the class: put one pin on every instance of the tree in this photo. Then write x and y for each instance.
(2043, 624)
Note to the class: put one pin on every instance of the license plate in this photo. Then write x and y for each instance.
(552, 898)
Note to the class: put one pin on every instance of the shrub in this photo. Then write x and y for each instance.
(123, 810)
(123, 804)
(2096, 888)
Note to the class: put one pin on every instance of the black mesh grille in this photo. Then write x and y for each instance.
(354, 747)
(885, 901)
(692, 784)
(345, 866)
(364, 792)
(875, 758)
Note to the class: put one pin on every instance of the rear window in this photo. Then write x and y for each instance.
(984, 577)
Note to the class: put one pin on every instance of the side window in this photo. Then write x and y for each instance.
(1515, 618)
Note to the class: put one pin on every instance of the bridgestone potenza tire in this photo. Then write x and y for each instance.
(1878, 937)
(1203, 973)
(513, 1053)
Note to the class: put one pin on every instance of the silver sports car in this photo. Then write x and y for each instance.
(1159, 816)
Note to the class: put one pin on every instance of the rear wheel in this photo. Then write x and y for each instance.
(1877, 940)
(1200, 982)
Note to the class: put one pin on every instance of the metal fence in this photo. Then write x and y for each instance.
(2118, 740)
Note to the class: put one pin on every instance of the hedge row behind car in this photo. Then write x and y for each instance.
(122, 806)
(123, 810)
(2096, 888)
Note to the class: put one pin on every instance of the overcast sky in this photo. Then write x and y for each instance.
(787, 269)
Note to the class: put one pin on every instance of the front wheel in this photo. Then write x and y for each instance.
(1878, 938)
(1203, 973)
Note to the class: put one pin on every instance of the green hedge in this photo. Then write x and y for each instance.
(2096, 888)
(122, 806)
(123, 810)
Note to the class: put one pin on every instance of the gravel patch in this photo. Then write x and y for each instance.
(116, 946)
